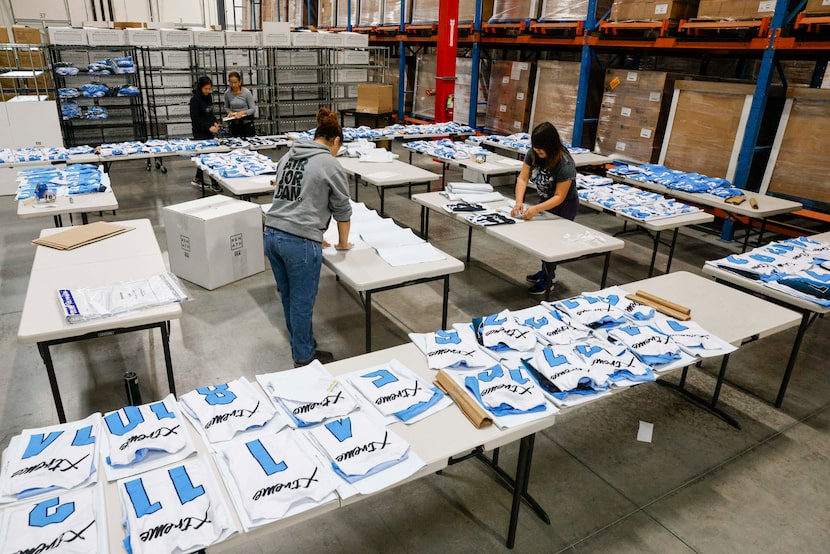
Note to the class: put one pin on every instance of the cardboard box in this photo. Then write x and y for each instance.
(371, 13)
(632, 119)
(303, 39)
(653, 10)
(326, 14)
(304, 57)
(351, 76)
(800, 159)
(735, 9)
(352, 57)
(513, 10)
(817, 7)
(105, 37)
(373, 98)
(26, 35)
(554, 98)
(509, 101)
(214, 241)
(67, 36)
(210, 39)
(276, 33)
(354, 40)
(175, 59)
(242, 40)
(129, 25)
(176, 38)
(143, 37)
(707, 127)
(571, 10)
(426, 11)
(329, 40)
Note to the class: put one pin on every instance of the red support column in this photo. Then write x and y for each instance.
(445, 63)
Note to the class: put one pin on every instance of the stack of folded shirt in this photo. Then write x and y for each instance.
(677, 180)
(239, 163)
(471, 192)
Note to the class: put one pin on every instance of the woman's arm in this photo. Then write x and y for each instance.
(249, 98)
(521, 188)
(558, 197)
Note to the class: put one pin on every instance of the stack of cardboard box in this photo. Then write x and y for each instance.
(817, 7)
(735, 9)
(508, 102)
(651, 10)
(571, 10)
(633, 115)
(515, 10)
(554, 97)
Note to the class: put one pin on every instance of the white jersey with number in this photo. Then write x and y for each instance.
(395, 391)
(358, 446)
(275, 474)
(134, 431)
(69, 523)
(308, 394)
(453, 348)
(553, 327)
(174, 509)
(227, 409)
(50, 458)
(502, 329)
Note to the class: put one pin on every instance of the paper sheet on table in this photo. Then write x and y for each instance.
(374, 226)
(380, 175)
(645, 432)
(412, 254)
(474, 197)
(401, 237)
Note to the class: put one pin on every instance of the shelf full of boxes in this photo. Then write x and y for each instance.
(290, 74)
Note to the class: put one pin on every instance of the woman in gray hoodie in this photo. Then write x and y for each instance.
(311, 188)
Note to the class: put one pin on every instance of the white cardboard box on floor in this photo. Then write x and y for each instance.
(215, 240)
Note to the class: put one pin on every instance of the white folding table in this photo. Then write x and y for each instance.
(656, 226)
(735, 316)
(72, 204)
(809, 310)
(580, 160)
(131, 255)
(550, 238)
(367, 273)
(768, 206)
(394, 174)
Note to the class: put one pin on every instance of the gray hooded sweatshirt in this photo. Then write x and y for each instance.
(311, 188)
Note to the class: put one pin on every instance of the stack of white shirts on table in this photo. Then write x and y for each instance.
(471, 192)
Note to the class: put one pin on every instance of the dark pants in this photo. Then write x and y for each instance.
(567, 209)
(242, 127)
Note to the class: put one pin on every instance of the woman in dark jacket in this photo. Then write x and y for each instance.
(201, 117)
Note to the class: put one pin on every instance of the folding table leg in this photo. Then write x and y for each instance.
(656, 242)
(43, 348)
(671, 250)
(708, 405)
(445, 307)
(469, 242)
(605, 270)
(805, 322)
(368, 315)
(168, 361)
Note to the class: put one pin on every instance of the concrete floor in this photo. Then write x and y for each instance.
(701, 486)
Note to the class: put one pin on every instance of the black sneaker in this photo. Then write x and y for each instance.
(538, 276)
(196, 182)
(215, 187)
(538, 288)
(322, 356)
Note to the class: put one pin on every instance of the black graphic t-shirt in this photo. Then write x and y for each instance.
(545, 179)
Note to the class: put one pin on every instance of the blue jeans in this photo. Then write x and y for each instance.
(296, 263)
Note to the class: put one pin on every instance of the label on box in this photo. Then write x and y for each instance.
(654, 96)
(769, 5)
(523, 66)
(614, 83)
(825, 2)
(625, 112)
(645, 133)
(516, 70)
(520, 96)
(517, 124)
(503, 108)
(620, 146)
(505, 80)
(661, 9)
(631, 77)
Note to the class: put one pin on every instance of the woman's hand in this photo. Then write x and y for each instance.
(530, 213)
(347, 246)
(214, 128)
(239, 115)
(518, 209)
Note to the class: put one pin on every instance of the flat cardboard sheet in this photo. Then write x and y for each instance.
(82, 235)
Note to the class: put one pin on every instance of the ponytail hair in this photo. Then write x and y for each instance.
(326, 115)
